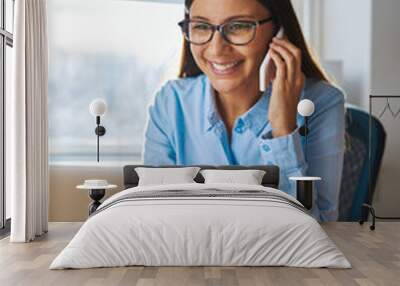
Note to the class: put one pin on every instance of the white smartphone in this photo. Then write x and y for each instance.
(264, 65)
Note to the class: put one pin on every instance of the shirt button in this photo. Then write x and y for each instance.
(240, 126)
(266, 148)
(239, 129)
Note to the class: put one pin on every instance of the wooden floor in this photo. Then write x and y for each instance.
(375, 256)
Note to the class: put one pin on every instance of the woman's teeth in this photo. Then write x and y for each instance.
(223, 68)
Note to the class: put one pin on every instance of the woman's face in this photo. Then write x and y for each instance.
(230, 67)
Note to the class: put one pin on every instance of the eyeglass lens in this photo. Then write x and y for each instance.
(235, 32)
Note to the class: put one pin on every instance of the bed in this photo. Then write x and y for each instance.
(201, 224)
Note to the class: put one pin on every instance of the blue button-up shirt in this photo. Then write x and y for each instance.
(185, 128)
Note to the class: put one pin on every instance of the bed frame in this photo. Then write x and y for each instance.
(270, 179)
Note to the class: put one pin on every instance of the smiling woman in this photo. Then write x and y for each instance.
(215, 113)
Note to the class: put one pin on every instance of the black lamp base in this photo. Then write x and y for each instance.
(96, 195)
(303, 130)
(100, 130)
(305, 189)
(304, 192)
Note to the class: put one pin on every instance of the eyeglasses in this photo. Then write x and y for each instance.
(236, 32)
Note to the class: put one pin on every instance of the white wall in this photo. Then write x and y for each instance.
(365, 36)
(385, 79)
(67, 203)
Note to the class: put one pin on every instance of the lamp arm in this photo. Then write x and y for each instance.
(98, 138)
(100, 131)
(305, 135)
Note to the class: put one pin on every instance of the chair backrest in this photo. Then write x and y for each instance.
(355, 189)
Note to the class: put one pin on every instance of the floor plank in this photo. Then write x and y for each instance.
(375, 257)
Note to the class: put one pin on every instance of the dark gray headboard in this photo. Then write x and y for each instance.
(270, 179)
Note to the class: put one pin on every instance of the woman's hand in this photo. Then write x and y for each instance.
(286, 86)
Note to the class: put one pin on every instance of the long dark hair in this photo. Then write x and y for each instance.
(284, 16)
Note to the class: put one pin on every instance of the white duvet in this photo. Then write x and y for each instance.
(200, 231)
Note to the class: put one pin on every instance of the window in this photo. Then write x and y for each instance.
(6, 43)
(121, 51)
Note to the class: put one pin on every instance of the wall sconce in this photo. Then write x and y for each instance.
(98, 108)
(305, 108)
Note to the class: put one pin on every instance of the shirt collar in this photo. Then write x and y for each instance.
(255, 118)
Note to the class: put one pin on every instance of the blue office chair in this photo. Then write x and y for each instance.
(354, 191)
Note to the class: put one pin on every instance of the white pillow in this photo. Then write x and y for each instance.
(248, 177)
(162, 176)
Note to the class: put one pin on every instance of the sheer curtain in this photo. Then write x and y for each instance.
(26, 123)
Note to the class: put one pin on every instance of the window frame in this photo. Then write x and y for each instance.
(6, 39)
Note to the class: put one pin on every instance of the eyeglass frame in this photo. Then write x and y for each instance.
(220, 28)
